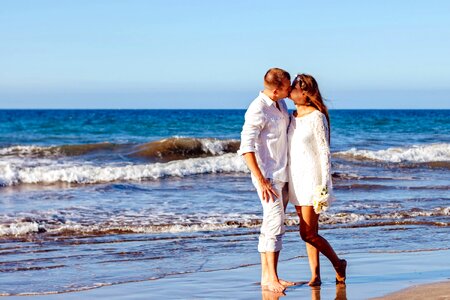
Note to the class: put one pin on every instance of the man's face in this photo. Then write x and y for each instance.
(284, 90)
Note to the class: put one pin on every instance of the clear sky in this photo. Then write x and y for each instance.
(213, 54)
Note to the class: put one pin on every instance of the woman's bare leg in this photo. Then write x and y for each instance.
(309, 228)
(314, 265)
(313, 258)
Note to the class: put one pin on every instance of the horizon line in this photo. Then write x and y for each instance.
(100, 108)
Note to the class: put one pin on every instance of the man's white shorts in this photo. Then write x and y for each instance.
(272, 228)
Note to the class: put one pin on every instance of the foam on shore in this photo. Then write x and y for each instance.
(79, 221)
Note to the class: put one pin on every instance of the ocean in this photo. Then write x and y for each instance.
(91, 198)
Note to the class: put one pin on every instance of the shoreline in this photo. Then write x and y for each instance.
(370, 274)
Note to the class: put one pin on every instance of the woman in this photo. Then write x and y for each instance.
(309, 168)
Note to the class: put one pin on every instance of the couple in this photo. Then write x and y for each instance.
(289, 159)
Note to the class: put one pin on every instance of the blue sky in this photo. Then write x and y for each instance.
(213, 54)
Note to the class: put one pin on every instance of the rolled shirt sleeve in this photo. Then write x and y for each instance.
(264, 133)
(254, 123)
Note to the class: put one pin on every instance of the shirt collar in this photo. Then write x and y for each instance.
(266, 99)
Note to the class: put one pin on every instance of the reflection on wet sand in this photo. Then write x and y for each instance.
(341, 293)
(268, 295)
(315, 293)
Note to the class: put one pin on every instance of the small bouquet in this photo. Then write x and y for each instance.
(320, 199)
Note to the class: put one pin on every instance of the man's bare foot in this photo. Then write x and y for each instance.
(274, 286)
(340, 271)
(315, 282)
(286, 283)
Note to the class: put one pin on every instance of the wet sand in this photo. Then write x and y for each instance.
(369, 275)
(440, 290)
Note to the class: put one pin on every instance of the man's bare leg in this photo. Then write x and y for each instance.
(271, 277)
(269, 260)
(265, 274)
(264, 269)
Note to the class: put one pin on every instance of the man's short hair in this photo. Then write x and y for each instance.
(274, 77)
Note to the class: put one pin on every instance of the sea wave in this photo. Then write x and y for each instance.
(180, 148)
(52, 151)
(75, 223)
(82, 221)
(168, 149)
(426, 153)
(14, 173)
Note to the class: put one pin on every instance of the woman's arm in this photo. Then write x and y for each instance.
(321, 133)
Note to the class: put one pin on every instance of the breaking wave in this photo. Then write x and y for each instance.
(173, 148)
(437, 155)
(14, 174)
(52, 151)
(181, 148)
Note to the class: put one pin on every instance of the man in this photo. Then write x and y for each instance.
(264, 147)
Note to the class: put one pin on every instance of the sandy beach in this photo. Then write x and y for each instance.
(370, 274)
(440, 290)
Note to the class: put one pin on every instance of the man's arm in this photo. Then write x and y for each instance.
(253, 125)
(267, 190)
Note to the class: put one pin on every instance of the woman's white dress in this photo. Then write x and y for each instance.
(309, 157)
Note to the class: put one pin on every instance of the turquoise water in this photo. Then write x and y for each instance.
(57, 127)
(98, 197)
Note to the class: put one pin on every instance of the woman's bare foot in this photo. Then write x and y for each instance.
(286, 283)
(315, 282)
(340, 271)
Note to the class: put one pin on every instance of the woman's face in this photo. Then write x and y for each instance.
(297, 95)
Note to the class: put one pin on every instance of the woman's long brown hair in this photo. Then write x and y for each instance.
(311, 89)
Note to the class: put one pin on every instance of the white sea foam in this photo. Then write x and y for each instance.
(81, 221)
(417, 153)
(85, 221)
(214, 146)
(14, 172)
(23, 150)
(19, 228)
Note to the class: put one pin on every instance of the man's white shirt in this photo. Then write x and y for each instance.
(265, 133)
